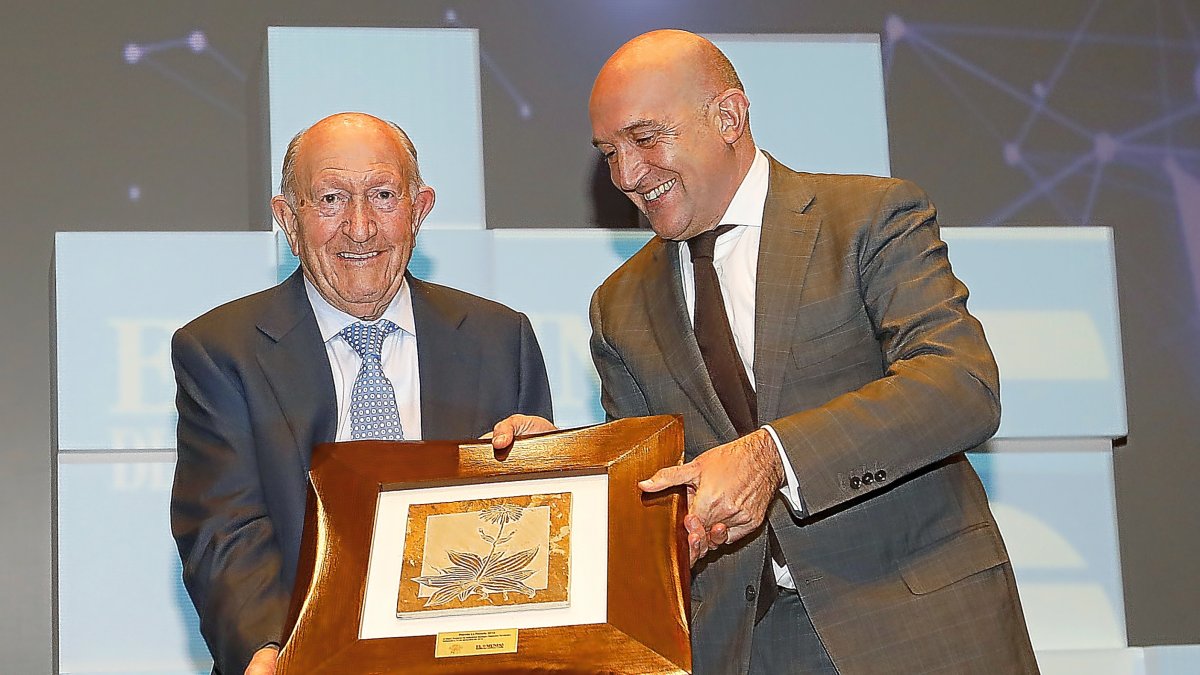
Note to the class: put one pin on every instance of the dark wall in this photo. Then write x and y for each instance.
(1007, 113)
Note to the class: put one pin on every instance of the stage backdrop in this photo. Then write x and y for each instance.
(115, 422)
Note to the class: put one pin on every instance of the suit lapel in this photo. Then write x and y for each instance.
(676, 339)
(449, 366)
(295, 364)
(789, 234)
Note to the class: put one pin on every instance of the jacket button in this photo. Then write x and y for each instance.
(855, 481)
(880, 476)
(867, 478)
(751, 593)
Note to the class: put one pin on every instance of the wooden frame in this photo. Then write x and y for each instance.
(648, 574)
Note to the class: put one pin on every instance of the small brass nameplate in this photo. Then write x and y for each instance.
(476, 642)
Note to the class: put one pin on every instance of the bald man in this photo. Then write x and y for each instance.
(263, 379)
(810, 331)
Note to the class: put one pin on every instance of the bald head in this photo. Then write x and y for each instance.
(694, 65)
(671, 119)
(350, 121)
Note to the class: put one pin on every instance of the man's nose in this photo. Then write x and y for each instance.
(627, 171)
(360, 222)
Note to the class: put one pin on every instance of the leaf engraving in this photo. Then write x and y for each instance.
(474, 575)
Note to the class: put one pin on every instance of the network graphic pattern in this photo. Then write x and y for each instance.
(524, 109)
(148, 54)
(152, 55)
(1069, 163)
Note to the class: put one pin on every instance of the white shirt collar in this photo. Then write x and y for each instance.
(746, 207)
(331, 320)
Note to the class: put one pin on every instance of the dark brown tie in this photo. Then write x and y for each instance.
(729, 378)
(715, 337)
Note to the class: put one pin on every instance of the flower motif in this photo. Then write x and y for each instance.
(471, 574)
(501, 514)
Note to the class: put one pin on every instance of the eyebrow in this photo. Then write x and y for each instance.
(636, 124)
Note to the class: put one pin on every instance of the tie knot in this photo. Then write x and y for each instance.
(703, 244)
(367, 339)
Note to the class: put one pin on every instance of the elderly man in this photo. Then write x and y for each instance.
(811, 333)
(348, 347)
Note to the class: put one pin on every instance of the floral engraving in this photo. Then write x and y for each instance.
(474, 575)
(485, 555)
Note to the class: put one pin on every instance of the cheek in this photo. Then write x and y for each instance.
(314, 236)
(399, 233)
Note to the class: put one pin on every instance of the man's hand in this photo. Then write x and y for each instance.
(729, 489)
(507, 429)
(263, 662)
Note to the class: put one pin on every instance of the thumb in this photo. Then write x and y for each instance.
(501, 435)
(669, 477)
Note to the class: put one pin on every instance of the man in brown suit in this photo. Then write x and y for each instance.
(835, 524)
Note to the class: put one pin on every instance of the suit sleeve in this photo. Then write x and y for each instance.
(940, 391)
(231, 561)
(533, 396)
(620, 395)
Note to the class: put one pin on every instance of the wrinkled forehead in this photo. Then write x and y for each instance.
(622, 98)
(352, 150)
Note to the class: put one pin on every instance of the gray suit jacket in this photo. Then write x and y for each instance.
(255, 394)
(876, 379)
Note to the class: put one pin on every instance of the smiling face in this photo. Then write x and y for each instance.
(674, 140)
(354, 217)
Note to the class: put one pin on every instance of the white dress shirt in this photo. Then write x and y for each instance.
(735, 259)
(399, 358)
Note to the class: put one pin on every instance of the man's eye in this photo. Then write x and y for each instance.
(384, 199)
(331, 198)
(644, 140)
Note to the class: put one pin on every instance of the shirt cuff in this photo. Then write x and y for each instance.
(791, 486)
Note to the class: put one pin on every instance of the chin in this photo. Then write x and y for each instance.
(668, 224)
(672, 231)
(357, 294)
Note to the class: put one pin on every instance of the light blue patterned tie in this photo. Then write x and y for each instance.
(373, 411)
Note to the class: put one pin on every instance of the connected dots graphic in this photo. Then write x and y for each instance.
(144, 54)
(524, 109)
(1080, 133)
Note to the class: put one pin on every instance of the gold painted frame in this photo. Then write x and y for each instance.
(648, 575)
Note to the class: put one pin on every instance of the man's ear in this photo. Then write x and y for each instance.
(733, 114)
(422, 204)
(285, 215)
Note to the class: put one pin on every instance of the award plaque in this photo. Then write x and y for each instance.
(445, 556)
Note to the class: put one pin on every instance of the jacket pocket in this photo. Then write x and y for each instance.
(957, 557)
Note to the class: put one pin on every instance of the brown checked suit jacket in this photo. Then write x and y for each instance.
(876, 379)
(255, 395)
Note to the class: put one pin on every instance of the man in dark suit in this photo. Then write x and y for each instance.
(263, 379)
(829, 376)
